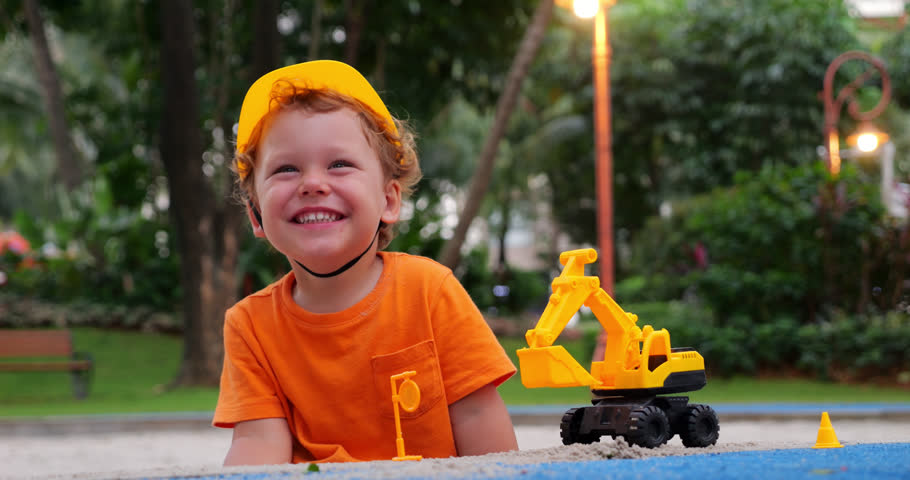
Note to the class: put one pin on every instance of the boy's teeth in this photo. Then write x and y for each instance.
(316, 217)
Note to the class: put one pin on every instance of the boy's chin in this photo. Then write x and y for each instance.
(324, 262)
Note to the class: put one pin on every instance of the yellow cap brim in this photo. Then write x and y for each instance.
(318, 74)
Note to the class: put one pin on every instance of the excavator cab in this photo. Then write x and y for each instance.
(638, 365)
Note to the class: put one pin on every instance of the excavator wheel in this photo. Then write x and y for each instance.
(700, 427)
(648, 427)
(568, 428)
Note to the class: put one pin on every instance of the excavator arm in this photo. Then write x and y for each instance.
(545, 365)
(571, 290)
(634, 358)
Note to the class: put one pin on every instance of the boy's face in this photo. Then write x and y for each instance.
(320, 188)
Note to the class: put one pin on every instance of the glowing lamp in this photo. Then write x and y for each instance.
(585, 8)
(867, 138)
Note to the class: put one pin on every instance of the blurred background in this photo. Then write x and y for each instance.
(742, 215)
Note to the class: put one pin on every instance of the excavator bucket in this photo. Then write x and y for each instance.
(551, 367)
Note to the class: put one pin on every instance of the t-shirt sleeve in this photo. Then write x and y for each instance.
(247, 386)
(470, 356)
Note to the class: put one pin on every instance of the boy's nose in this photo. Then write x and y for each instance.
(313, 185)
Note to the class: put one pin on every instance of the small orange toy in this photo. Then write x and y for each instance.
(408, 396)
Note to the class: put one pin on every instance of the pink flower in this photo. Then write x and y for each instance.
(14, 242)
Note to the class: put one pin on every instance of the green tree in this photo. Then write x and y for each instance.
(68, 163)
(700, 91)
(786, 241)
(481, 178)
(162, 122)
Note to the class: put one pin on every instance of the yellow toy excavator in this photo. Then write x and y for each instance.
(638, 366)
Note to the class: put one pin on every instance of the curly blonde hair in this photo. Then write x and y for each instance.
(397, 152)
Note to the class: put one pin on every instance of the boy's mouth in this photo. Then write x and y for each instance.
(317, 217)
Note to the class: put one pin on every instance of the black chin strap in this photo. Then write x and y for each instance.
(344, 267)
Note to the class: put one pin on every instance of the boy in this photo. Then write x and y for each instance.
(322, 167)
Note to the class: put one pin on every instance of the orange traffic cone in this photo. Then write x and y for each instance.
(826, 436)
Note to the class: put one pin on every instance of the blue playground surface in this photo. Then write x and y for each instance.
(812, 410)
(867, 461)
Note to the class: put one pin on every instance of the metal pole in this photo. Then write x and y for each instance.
(894, 208)
(603, 158)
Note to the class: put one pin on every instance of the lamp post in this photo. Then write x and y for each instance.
(833, 106)
(600, 60)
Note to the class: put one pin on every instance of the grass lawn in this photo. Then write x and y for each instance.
(132, 368)
(131, 371)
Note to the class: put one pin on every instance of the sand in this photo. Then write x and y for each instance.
(200, 451)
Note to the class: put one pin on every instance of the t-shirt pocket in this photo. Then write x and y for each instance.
(420, 358)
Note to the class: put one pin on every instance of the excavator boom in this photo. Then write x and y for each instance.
(634, 358)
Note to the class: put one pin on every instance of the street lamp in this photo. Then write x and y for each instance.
(868, 138)
(603, 152)
(600, 61)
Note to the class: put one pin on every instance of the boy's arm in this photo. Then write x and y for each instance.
(481, 423)
(260, 442)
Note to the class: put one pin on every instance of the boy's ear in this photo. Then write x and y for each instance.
(392, 202)
(255, 219)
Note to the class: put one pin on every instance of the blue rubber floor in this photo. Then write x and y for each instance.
(759, 409)
(853, 462)
(870, 461)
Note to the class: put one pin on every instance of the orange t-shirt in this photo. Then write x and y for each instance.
(329, 374)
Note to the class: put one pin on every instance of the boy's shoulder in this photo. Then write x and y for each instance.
(408, 264)
(266, 295)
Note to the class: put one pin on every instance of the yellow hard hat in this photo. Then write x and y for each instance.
(318, 74)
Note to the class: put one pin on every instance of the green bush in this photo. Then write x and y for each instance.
(857, 347)
(100, 252)
(786, 242)
(837, 346)
(17, 311)
(518, 290)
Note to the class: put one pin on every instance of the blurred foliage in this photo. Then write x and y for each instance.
(896, 53)
(108, 59)
(700, 90)
(712, 102)
(787, 241)
(838, 346)
(99, 251)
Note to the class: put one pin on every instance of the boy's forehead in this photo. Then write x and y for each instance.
(337, 131)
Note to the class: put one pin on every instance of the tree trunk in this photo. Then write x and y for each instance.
(192, 201)
(451, 252)
(69, 170)
(229, 219)
(379, 72)
(266, 40)
(506, 212)
(354, 23)
(315, 30)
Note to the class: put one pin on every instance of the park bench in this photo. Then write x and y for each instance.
(45, 351)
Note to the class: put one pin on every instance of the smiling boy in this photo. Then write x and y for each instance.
(323, 168)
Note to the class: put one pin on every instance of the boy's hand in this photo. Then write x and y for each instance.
(481, 423)
(260, 442)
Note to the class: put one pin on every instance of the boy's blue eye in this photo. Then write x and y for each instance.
(285, 168)
(340, 164)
